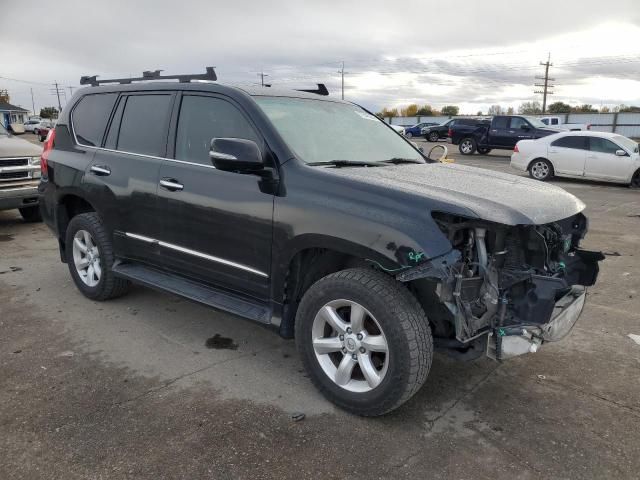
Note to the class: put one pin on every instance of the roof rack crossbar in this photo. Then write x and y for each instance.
(321, 90)
(151, 75)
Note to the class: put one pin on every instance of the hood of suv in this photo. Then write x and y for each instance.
(493, 196)
(17, 147)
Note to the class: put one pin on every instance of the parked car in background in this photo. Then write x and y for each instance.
(416, 130)
(436, 132)
(558, 122)
(31, 124)
(502, 132)
(595, 155)
(19, 175)
(43, 128)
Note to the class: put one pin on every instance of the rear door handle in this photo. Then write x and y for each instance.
(171, 184)
(100, 170)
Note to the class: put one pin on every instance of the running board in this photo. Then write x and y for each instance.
(168, 282)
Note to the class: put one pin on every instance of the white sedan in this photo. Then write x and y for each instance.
(596, 155)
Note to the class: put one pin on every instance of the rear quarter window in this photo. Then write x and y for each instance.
(90, 117)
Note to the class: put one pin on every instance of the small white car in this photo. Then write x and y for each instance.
(31, 124)
(587, 154)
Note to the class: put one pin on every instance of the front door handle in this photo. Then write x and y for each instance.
(171, 184)
(100, 170)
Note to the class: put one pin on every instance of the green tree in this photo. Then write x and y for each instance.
(495, 110)
(450, 110)
(426, 111)
(49, 112)
(628, 109)
(510, 111)
(479, 113)
(559, 107)
(528, 108)
(388, 112)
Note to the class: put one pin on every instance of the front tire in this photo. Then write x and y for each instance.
(541, 169)
(89, 255)
(433, 137)
(635, 180)
(31, 214)
(364, 340)
(408, 135)
(468, 146)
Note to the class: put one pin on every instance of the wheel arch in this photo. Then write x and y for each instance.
(68, 206)
(310, 258)
(553, 167)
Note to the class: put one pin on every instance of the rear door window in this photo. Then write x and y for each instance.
(571, 141)
(143, 128)
(90, 117)
(500, 123)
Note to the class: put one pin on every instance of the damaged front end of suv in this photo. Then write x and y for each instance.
(505, 289)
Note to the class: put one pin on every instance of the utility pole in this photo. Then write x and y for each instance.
(58, 95)
(262, 75)
(70, 91)
(33, 104)
(546, 86)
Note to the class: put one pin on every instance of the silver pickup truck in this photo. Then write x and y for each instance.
(19, 175)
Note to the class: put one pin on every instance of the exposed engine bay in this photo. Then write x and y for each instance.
(503, 289)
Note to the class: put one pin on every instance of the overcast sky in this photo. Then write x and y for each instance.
(463, 52)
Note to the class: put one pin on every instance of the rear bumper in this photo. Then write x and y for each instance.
(518, 162)
(19, 197)
(517, 340)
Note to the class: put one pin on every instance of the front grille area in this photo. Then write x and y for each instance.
(13, 162)
(14, 175)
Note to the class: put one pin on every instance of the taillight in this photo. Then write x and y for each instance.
(515, 149)
(48, 146)
(450, 133)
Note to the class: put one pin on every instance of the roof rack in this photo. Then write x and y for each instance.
(321, 90)
(151, 75)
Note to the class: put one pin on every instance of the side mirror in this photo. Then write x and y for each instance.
(236, 155)
(621, 153)
(524, 127)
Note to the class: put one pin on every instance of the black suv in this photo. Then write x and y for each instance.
(256, 202)
(435, 132)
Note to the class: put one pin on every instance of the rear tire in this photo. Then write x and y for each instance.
(468, 146)
(31, 214)
(433, 137)
(408, 135)
(89, 255)
(541, 169)
(388, 317)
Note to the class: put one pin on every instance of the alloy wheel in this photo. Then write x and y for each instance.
(350, 346)
(86, 258)
(466, 146)
(540, 170)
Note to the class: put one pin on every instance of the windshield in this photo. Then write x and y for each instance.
(321, 131)
(3, 131)
(627, 143)
(536, 122)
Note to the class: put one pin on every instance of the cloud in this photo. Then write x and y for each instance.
(484, 52)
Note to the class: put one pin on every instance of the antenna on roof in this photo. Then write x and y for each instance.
(151, 75)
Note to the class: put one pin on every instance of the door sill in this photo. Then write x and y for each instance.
(198, 292)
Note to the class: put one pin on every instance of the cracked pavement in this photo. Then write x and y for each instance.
(127, 388)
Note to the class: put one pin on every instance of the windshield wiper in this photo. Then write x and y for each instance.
(347, 163)
(397, 160)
